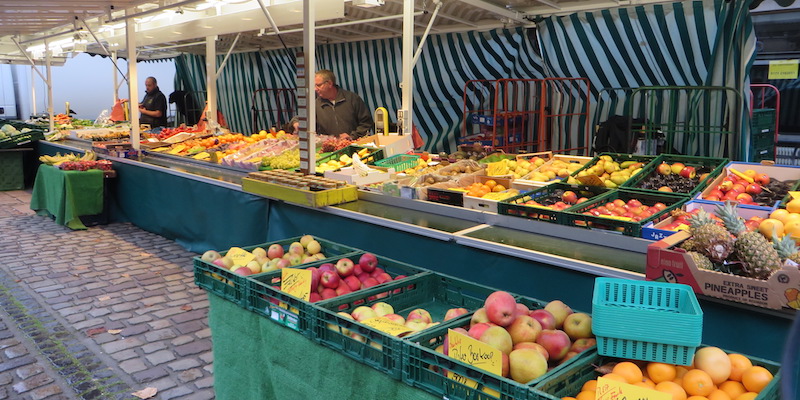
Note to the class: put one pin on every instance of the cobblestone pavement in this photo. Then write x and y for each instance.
(97, 314)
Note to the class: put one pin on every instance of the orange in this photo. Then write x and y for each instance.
(629, 371)
(747, 396)
(590, 385)
(672, 388)
(793, 206)
(780, 214)
(732, 388)
(585, 395)
(498, 188)
(771, 227)
(697, 382)
(649, 382)
(697, 398)
(492, 183)
(714, 361)
(647, 385)
(792, 227)
(719, 394)
(739, 364)
(681, 370)
(756, 378)
(568, 398)
(615, 377)
(660, 372)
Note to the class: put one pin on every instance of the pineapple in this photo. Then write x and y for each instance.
(710, 239)
(689, 245)
(754, 250)
(787, 249)
(701, 261)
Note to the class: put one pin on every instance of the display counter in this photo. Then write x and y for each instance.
(535, 259)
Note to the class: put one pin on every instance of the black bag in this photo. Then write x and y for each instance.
(615, 136)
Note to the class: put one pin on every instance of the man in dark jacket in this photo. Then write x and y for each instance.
(340, 112)
(154, 105)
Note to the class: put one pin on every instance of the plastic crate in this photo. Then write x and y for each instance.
(567, 382)
(424, 367)
(763, 121)
(515, 206)
(400, 162)
(435, 293)
(712, 166)
(265, 297)
(575, 216)
(618, 157)
(12, 177)
(373, 154)
(232, 286)
(650, 321)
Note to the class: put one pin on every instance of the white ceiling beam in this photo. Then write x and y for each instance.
(587, 6)
(501, 11)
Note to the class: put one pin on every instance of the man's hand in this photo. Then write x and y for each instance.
(344, 135)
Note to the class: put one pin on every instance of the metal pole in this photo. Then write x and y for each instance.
(211, 79)
(305, 85)
(102, 46)
(33, 89)
(49, 86)
(115, 78)
(133, 84)
(427, 31)
(228, 54)
(404, 115)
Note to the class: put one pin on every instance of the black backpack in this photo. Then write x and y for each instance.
(615, 136)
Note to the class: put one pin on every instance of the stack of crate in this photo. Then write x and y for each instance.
(763, 134)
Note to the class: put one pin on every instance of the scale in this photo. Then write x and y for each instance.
(381, 121)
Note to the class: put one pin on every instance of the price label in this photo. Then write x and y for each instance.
(783, 69)
(609, 389)
(474, 352)
(795, 195)
(240, 256)
(296, 282)
(386, 325)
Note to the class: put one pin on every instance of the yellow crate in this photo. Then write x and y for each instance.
(298, 196)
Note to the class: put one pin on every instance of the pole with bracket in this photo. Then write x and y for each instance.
(306, 102)
(211, 80)
(404, 115)
(133, 84)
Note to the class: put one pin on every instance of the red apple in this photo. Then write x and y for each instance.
(479, 316)
(535, 346)
(314, 297)
(329, 279)
(725, 186)
(476, 331)
(383, 277)
(665, 189)
(744, 198)
(345, 267)
(762, 179)
(328, 293)
(555, 341)
(688, 172)
(559, 311)
(352, 282)
(738, 187)
(677, 167)
(275, 251)
(524, 329)
(634, 203)
(753, 189)
(420, 313)
(522, 309)
(454, 313)
(545, 318)
(569, 197)
(396, 318)
(327, 267)
(368, 262)
(583, 344)
(369, 282)
(664, 169)
(715, 192)
(501, 308)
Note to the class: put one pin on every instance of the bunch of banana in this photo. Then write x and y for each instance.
(58, 158)
(89, 156)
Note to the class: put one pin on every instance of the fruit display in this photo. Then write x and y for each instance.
(560, 167)
(513, 168)
(531, 340)
(275, 257)
(343, 158)
(557, 199)
(633, 210)
(59, 158)
(166, 133)
(608, 171)
(9, 131)
(674, 177)
(103, 135)
(735, 249)
(334, 143)
(714, 374)
(475, 151)
(749, 187)
(297, 180)
(681, 220)
(85, 165)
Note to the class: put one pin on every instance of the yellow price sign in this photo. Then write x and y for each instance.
(783, 69)
(386, 325)
(609, 389)
(474, 352)
(795, 195)
(296, 282)
(240, 256)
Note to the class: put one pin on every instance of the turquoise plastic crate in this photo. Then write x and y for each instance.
(650, 321)
(400, 162)
(232, 286)
(568, 382)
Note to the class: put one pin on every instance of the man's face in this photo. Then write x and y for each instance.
(149, 85)
(323, 87)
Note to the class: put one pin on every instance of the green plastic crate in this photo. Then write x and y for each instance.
(11, 170)
(577, 215)
(433, 292)
(265, 297)
(568, 382)
(373, 154)
(400, 162)
(232, 286)
(618, 157)
(763, 121)
(650, 321)
(424, 367)
(764, 152)
(515, 206)
(712, 166)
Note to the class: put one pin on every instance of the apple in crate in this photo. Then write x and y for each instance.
(476, 330)
(210, 255)
(363, 312)
(416, 324)
(556, 342)
(275, 251)
(329, 279)
(479, 316)
(526, 365)
(368, 262)
(454, 313)
(578, 326)
(545, 318)
(524, 329)
(382, 308)
(344, 267)
(535, 346)
(559, 311)
(582, 344)
(420, 314)
(396, 318)
(501, 308)
(498, 337)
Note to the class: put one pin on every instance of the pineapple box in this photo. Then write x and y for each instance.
(666, 262)
(672, 224)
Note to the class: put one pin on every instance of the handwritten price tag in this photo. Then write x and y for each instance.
(296, 282)
(609, 389)
(386, 325)
(474, 352)
(240, 256)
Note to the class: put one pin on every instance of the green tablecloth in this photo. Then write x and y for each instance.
(255, 358)
(67, 195)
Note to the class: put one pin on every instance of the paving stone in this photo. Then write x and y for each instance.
(15, 351)
(155, 346)
(99, 312)
(203, 383)
(74, 318)
(160, 324)
(189, 316)
(203, 333)
(119, 345)
(47, 392)
(207, 357)
(150, 374)
(195, 347)
(168, 312)
(182, 340)
(163, 385)
(137, 320)
(134, 330)
(160, 357)
(191, 327)
(200, 395)
(91, 323)
(124, 307)
(176, 392)
(29, 371)
(132, 366)
(122, 316)
(161, 334)
(32, 383)
(184, 364)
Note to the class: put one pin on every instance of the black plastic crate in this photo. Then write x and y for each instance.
(703, 165)
(580, 215)
(516, 206)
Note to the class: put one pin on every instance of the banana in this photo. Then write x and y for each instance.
(626, 164)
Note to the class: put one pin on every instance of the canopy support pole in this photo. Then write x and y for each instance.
(133, 84)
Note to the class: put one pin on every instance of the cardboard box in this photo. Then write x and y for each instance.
(779, 172)
(298, 196)
(655, 232)
(349, 175)
(666, 263)
(391, 144)
(460, 199)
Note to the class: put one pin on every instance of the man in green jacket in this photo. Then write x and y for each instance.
(340, 112)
